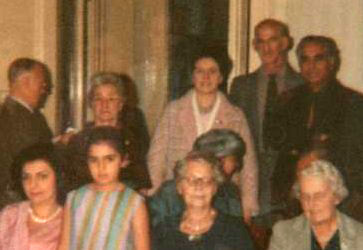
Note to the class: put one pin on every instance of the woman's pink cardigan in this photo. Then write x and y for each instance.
(175, 135)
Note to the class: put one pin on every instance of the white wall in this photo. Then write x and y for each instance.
(23, 35)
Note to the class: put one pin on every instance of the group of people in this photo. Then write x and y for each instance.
(215, 162)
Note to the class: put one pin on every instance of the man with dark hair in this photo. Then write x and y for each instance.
(259, 95)
(22, 124)
(320, 111)
(316, 110)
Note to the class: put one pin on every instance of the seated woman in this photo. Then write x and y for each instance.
(291, 206)
(320, 188)
(109, 104)
(200, 225)
(36, 222)
(229, 148)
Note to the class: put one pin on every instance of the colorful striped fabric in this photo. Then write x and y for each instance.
(102, 220)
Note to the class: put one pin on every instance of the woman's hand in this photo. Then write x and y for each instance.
(65, 137)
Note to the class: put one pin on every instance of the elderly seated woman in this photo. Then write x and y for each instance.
(109, 104)
(200, 225)
(229, 148)
(36, 222)
(320, 188)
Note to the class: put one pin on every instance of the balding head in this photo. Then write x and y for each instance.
(272, 42)
(28, 80)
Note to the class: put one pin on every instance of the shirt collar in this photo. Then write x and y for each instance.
(22, 103)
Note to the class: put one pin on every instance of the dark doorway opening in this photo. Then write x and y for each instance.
(196, 26)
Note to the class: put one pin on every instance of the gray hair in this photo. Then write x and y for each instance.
(276, 24)
(21, 65)
(107, 78)
(203, 157)
(326, 171)
(329, 45)
(222, 143)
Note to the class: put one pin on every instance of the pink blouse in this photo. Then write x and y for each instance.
(15, 234)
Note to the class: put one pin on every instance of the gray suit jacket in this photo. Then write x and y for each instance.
(246, 93)
(295, 234)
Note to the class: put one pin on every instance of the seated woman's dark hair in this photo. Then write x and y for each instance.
(222, 143)
(45, 152)
(107, 134)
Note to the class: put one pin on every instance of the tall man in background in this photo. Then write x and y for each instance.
(259, 95)
(22, 124)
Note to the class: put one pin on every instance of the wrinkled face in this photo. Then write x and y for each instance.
(230, 164)
(106, 104)
(269, 44)
(198, 186)
(316, 67)
(39, 182)
(35, 85)
(104, 164)
(317, 199)
(206, 76)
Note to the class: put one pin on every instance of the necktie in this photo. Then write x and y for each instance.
(271, 101)
(311, 118)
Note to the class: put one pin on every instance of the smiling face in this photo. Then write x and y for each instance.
(106, 104)
(198, 186)
(317, 199)
(39, 182)
(104, 164)
(270, 44)
(316, 67)
(206, 76)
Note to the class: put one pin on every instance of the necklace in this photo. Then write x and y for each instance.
(41, 220)
(195, 229)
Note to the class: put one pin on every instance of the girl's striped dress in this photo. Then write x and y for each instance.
(102, 219)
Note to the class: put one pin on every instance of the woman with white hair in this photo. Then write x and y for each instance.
(200, 225)
(320, 188)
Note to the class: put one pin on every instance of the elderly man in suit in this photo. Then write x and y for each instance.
(259, 93)
(22, 124)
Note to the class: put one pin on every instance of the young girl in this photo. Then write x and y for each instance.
(105, 214)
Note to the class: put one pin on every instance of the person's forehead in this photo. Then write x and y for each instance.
(230, 157)
(37, 165)
(313, 184)
(270, 29)
(38, 70)
(199, 167)
(313, 49)
(206, 62)
(106, 88)
(102, 148)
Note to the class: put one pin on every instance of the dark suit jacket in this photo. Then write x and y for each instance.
(19, 128)
(336, 117)
(295, 234)
(330, 109)
(245, 93)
